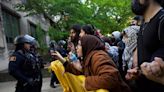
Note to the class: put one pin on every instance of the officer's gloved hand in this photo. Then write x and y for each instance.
(31, 82)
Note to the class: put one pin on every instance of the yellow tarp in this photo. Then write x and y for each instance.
(70, 82)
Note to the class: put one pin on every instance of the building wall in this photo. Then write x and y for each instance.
(3, 45)
(24, 22)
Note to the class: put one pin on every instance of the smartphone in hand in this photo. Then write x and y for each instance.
(52, 52)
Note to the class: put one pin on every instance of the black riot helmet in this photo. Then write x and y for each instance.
(24, 39)
(52, 44)
(20, 40)
(61, 43)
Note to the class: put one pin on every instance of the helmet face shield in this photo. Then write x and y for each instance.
(29, 37)
(61, 43)
(28, 43)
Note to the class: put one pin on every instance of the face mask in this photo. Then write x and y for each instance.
(139, 9)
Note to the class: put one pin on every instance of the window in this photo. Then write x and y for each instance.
(37, 33)
(11, 26)
(33, 30)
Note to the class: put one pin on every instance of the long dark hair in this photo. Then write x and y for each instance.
(161, 2)
(76, 29)
(88, 29)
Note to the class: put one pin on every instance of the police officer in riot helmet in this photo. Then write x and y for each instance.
(24, 67)
(52, 48)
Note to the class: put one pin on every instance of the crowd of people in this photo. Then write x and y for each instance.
(128, 61)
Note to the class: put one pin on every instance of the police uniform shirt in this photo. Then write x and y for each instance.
(16, 62)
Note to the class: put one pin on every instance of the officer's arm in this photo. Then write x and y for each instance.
(14, 69)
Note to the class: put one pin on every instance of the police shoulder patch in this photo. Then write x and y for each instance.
(12, 58)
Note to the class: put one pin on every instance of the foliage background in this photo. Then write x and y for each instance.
(107, 15)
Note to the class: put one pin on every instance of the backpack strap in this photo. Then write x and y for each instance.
(161, 19)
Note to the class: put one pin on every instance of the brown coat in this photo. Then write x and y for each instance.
(101, 73)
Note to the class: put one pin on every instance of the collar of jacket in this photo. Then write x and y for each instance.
(89, 57)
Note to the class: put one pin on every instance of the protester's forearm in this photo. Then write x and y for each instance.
(135, 58)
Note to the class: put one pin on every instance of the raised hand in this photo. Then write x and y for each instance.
(59, 56)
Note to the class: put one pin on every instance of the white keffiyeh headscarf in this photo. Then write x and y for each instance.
(130, 44)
